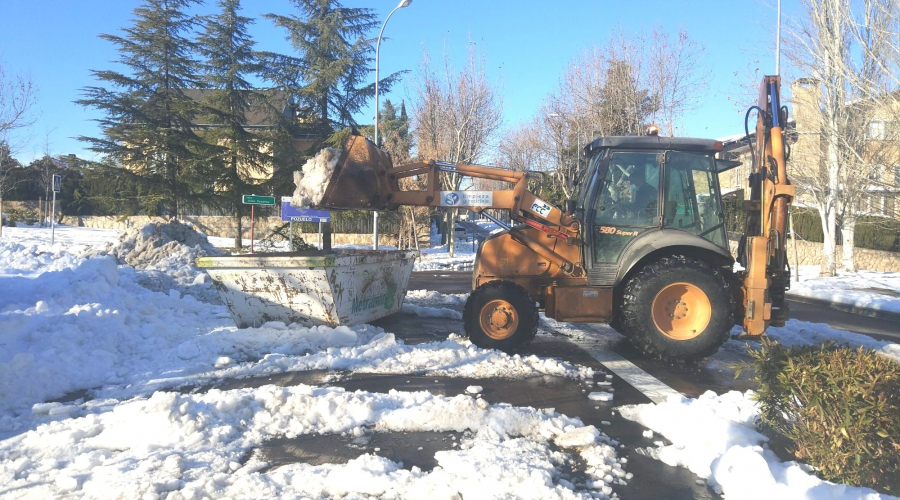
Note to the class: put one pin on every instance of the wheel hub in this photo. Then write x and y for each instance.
(681, 311)
(499, 319)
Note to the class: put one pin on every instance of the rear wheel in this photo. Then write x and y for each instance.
(500, 315)
(677, 309)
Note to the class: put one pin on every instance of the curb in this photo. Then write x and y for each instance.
(862, 311)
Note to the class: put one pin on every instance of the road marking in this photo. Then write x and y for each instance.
(647, 384)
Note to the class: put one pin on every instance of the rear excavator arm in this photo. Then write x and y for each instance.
(364, 177)
(762, 251)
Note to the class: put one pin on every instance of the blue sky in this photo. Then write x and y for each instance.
(527, 45)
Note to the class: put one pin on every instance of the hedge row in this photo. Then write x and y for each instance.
(838, 409)
(876, 233)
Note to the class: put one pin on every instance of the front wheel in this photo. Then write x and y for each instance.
(500, 315)
(677, 309)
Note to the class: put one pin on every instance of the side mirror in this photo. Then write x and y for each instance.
(570, 207)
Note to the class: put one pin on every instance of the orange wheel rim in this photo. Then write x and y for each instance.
(498, 319)
(681, 311)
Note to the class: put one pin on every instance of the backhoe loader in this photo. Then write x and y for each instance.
(643, 247)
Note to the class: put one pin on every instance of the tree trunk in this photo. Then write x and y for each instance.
(828, 245)
(848, 229)
(452, 232)
(238, 204)
(414, 227)
(238, 215)
(1, 214)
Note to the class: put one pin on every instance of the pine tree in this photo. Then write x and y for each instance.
(148, 119)
(238, 152)
(330, 73)
(395, 132)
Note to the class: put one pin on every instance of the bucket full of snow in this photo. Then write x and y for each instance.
(357, 176)
(340, 287)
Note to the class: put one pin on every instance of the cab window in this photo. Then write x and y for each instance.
(692, 200)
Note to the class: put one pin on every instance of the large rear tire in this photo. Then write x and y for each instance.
(500, 315)
(677, 309)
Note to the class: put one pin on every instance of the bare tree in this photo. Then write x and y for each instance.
(841, 45)
(619, 88)
(17, 99)
(455, 116)
(821, 47)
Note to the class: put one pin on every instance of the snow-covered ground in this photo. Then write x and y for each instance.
(92, 350)
(865, 289)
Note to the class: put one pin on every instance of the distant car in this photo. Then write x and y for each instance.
(460, 232)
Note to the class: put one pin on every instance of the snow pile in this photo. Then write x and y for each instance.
(864, 289)
(167, 247)
(430, 297)
(716, 438)
(312, 180)
(165, 254)
(193, 446)
(32, 259)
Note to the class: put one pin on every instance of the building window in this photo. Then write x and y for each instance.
(875, 131)
(896, 179)
(877, 173)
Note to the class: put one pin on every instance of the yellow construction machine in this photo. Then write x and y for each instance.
(643, 247)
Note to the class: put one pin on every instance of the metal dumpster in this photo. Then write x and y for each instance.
(339, 287)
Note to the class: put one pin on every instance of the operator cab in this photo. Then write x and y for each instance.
(659, 191)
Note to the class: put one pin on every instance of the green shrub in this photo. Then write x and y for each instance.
(808, 224)
(838, 408)
(877, 233)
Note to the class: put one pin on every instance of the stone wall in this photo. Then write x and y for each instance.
(224, 227)
(810, 254)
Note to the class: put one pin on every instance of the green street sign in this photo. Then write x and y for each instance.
(252, 199)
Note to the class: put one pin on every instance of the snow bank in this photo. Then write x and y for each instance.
(313, 178)
(800, 333)
(93, 325)
(165, 252)
(193, 446)
(383, 353)
(864, 289)
(716, 438)
(33, 259)
(430, 297)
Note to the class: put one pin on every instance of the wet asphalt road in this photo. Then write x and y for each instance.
(652, 479)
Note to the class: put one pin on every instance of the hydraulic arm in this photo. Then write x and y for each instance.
(762, 251)
(365, 178)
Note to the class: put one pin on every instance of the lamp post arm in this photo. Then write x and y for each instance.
(377, 50)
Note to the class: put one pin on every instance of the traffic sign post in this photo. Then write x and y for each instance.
(292, 214)
(253, 200)
(57, 185)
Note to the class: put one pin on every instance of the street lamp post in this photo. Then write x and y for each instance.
(403, 3)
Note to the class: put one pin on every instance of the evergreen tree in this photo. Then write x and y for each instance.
(395, 132)
(330, 73)
(625, 107)
(148, 120)
(238, 152)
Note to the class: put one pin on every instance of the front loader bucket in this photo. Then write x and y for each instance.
(360, 179)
